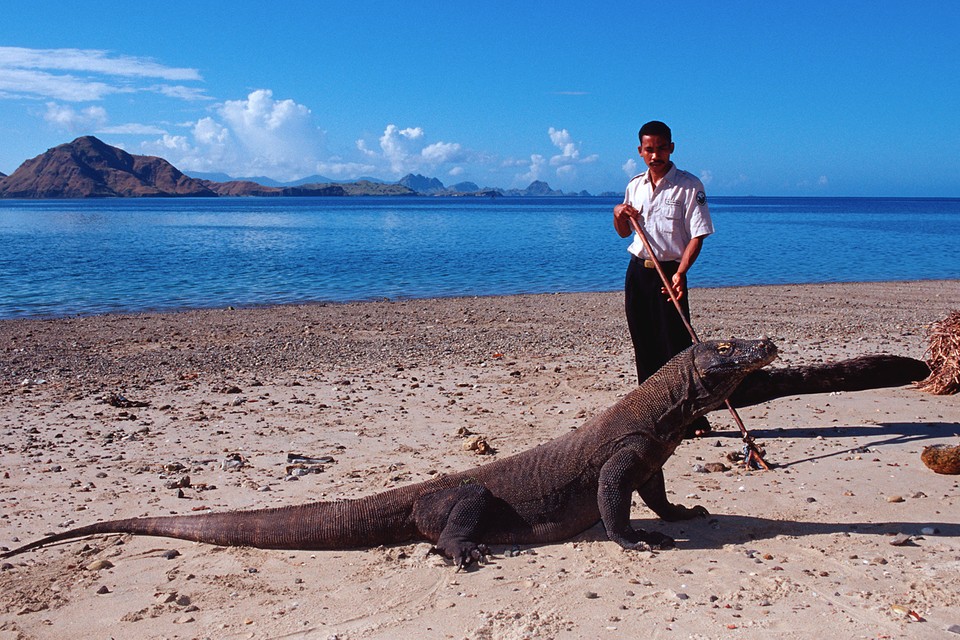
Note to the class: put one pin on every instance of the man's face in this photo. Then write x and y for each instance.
(655, 151)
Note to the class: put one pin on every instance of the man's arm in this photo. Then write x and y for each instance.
(621, 219)
(690, 253)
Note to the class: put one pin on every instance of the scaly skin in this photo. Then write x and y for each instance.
(545, 494)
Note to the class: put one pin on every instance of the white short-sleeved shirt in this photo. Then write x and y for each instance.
(671, 216)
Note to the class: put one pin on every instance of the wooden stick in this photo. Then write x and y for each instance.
(753, 453)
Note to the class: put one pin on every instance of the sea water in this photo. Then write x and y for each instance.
(69, 257)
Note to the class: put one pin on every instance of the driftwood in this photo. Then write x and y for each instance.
(856, 374)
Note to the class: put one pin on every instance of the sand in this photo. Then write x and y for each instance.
(384, 389)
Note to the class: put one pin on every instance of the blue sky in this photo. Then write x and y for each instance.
(765, 98)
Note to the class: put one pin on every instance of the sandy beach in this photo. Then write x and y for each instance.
(152, 414)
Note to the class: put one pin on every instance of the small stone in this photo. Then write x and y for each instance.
(954, 628)
(170, 554)
(901, 539)
(591, 595)
(97, 565)
(895, 499)
(103, 590)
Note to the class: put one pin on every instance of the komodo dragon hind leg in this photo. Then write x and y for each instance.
(454, 518)
(618, 478)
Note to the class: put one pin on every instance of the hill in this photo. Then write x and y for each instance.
(90, 168)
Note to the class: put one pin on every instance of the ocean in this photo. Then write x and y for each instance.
(79, 257)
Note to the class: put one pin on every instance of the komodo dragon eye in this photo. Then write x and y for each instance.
(724, 348)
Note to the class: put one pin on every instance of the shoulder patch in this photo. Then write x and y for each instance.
(701, 198)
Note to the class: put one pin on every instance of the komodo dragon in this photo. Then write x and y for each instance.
(545, 494)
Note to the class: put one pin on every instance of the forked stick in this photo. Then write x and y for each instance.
(752, 452)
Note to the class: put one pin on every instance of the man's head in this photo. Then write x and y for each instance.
(656, 145)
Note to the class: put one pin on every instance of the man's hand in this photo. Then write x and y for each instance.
(678, 284)
(621, 219)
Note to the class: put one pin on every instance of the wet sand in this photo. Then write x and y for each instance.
(384, 388)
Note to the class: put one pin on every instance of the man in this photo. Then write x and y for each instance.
(671, 207)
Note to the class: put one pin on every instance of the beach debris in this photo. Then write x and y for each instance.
(117, 400)
(229, 389)
(902, 540)
(906, 612)
(479, 445)
(233, 462)
(944, 357)
(299, 458)
(299, 470)
(170, 554)
(183, 482)
(942, 458)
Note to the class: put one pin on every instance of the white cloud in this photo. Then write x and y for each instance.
(72, 120)
(535, 170)
(706, 177)
(38, 84)
(132, 128)
(569, 150)
(823, 181)
(85, 75)
(630, 167)
(258, 135)
(91, 61)
(404, 151)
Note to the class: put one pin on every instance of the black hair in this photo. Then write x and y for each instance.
(655, 128)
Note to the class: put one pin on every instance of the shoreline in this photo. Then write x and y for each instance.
(385, 388)
(378, 299)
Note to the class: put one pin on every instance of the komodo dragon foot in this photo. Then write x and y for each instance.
(464, 553)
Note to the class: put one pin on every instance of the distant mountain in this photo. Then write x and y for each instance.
(89, 168)
(422, 184)
(465, 187)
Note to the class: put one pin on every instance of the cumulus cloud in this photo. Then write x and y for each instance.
(403, 151)
(258, 135)
(535, 168)
(569, 150)
(630, 167)
(565, 163)
(706, 177)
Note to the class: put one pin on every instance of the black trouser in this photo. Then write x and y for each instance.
(656, 329)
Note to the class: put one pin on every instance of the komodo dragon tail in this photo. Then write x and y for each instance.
(374, 520)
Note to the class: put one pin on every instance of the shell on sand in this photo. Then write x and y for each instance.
(942, 458)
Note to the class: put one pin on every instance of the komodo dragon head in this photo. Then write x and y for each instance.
(722, 364)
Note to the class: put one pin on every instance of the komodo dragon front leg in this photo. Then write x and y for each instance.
(626, 471)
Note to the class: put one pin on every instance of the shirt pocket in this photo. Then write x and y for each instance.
(668, 218)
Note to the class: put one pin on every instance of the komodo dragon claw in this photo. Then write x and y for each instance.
(478, 554)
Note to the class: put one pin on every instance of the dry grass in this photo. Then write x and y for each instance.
(944, 357)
